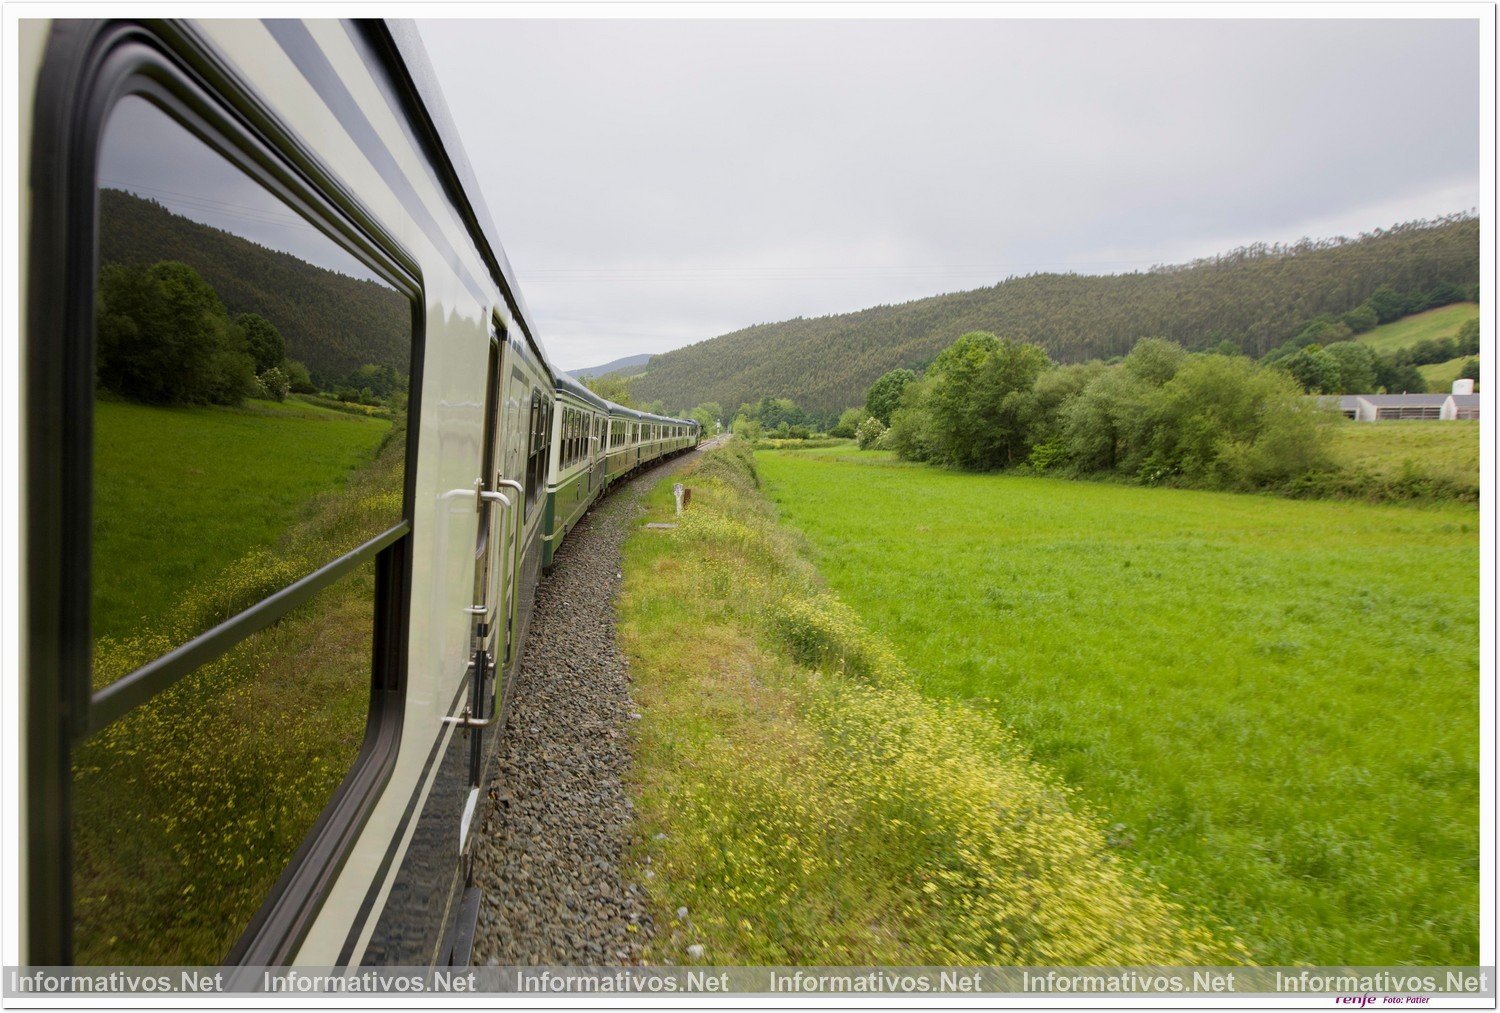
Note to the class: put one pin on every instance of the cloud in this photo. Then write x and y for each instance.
(660, 182)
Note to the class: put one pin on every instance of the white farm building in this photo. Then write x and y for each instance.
(1383, 407)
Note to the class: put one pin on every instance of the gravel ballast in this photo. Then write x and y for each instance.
(558, 818)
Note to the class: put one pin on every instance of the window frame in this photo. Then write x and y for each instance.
(89, 67)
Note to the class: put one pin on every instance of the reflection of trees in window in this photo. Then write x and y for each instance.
(221, 475)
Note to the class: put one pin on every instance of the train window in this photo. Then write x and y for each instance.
(249, 434)
(536, 461)
(251, 393)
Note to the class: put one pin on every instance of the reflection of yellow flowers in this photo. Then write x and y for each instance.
(216, 780)
(877, 825)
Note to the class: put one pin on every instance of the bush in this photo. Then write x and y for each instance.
(746, 429)
(299, 379)
(868, 432)
(1228, 423)
(275, 384)
(1046, 456)
(848, 422)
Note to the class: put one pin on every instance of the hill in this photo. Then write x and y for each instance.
(1254, 298)
(334, 322)
(629, 366)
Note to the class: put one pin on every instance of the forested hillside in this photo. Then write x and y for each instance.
(1254, 298)
(337, 323)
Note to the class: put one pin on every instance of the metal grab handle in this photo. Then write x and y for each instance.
(466, 719)
(494, 497)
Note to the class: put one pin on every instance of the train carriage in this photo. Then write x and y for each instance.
(291, 451)
(577, 476)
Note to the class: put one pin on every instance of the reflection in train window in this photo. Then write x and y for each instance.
(249, 429)
(186, 810)
(252, 381)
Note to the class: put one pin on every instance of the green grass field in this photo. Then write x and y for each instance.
(1273, 703)
(800, 802)
(1440, 375)
(1446, 450)
(1442, 322)
(180, 493)
(186, 810)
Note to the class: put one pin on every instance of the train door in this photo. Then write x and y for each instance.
(497, 508)
(518, 426)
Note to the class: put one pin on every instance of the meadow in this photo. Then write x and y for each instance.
(1440, 375)
(1442, 322)
(187, 809)
(1447, 451)
(1272, 704)
(180, 493)
(800, 802)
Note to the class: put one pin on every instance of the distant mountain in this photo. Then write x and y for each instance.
(332, 323)
(1254, 298)
(630, 365)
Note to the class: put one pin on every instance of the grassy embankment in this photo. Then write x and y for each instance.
(188, 809)
(1274, 703)
(1442, 322)
(1440, 375)
(805, 803)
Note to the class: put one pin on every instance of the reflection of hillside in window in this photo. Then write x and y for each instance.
(249, 430)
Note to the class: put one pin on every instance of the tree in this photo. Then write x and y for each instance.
(849, 421)
(263, 341)
(1466, 341)
(708, 415)
(1444, 293)
(1154, 361)
(299, 380)
(1229, 422)
(1316, 370)
(1361, 318)
(1470, 371)
(1100, 426)
(1053, 390)
(1357, 367)
(746, 428)
(911, 433)
(164, 337)
(612, 388)
(1387, 303)
(774, 412)
(981, 399)
(884, 396)
(1397, 377)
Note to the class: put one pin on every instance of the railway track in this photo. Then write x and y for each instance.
(559, 819)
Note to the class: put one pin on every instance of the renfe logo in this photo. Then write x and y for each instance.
(1355, 1000)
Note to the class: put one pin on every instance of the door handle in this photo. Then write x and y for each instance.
(466, 719)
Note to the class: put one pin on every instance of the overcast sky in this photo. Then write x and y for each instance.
(656, 183)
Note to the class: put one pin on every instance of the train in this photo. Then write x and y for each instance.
(294, 461)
